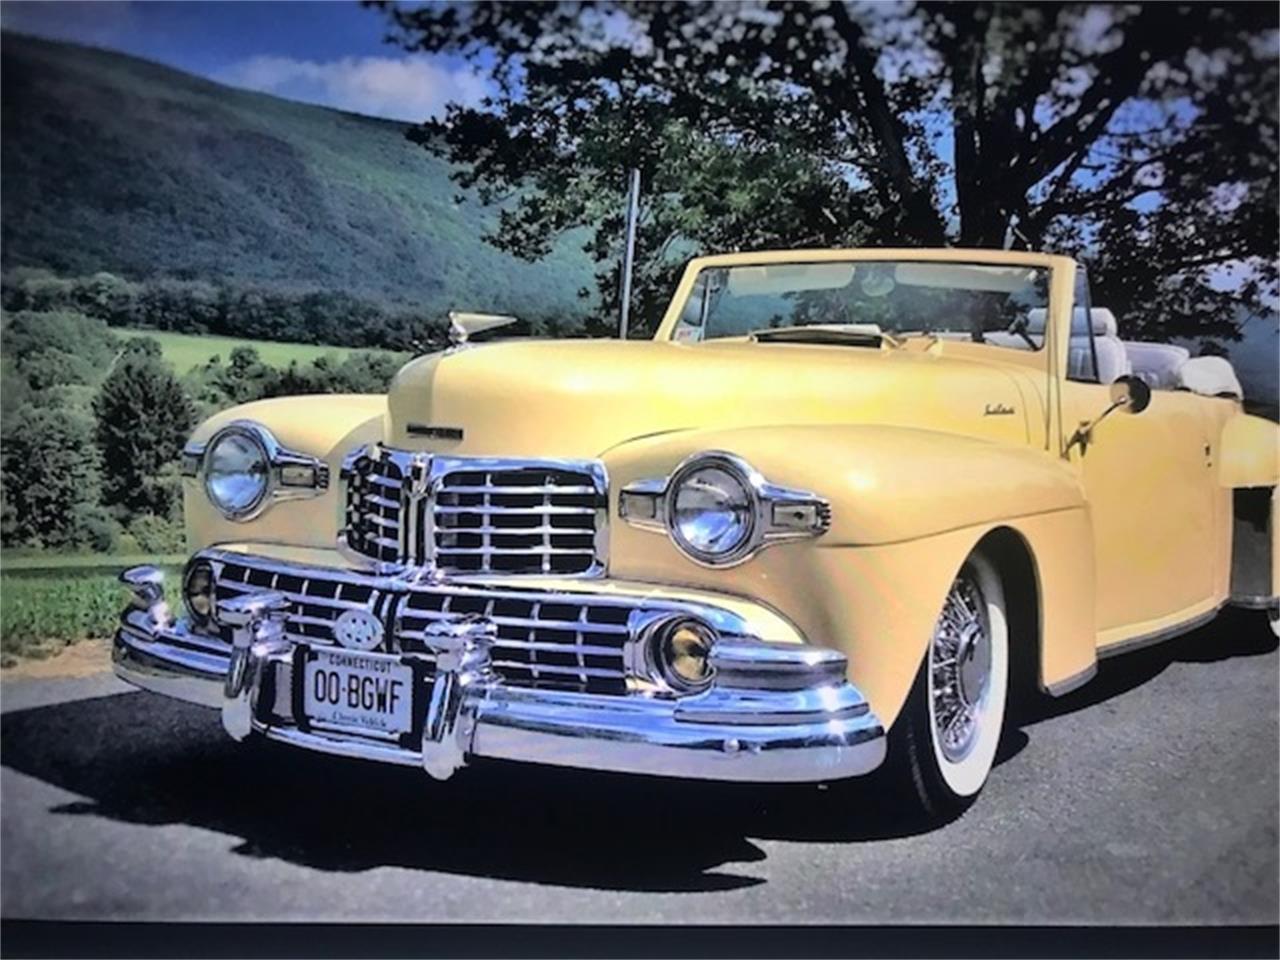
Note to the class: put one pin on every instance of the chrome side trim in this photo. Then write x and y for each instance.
(1073, 682)
(779, 514)
(1158, 636)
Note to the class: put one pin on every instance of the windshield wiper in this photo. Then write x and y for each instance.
(845, 334)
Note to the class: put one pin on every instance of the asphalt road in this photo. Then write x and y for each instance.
(1150, 796)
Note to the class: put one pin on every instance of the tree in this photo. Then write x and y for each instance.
(50, 476)
(49, 349)
(1141, 137)
(143, 418)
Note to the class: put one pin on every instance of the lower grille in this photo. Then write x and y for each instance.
(555, 641)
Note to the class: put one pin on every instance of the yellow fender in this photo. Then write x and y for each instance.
(907, 508)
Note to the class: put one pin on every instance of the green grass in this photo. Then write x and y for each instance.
(185, 351)
(40, 561)
(41, 614)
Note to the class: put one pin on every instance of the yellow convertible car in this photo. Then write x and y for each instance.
(840, 512)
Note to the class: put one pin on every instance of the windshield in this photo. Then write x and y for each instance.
(1004, 305)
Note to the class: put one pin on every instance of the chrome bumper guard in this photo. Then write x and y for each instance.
(776, 712)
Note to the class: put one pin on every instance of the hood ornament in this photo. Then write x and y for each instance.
(464, 326)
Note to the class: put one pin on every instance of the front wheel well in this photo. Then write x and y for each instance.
(1014, 562)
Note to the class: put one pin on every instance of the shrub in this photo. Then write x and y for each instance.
(154, 534)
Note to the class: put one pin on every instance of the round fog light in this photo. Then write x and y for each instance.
(684, 654)
(197, 591)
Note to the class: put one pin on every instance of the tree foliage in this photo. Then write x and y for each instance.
(1140, 137)
(143, 419)
(51, 477)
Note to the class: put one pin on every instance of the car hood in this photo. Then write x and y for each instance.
(579, 398)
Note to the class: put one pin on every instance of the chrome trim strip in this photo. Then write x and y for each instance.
(1073, 682)
(779, 514)
(1158, 636)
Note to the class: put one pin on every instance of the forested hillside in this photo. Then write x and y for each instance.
(116, 164)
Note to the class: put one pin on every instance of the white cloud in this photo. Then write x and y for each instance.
(400, 88)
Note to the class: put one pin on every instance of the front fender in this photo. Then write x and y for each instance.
(907, 508)
(885, 484)
(325, 426)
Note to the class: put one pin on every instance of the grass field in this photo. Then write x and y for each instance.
(40, 613)
(186, 351)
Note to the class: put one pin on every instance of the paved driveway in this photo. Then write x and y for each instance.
(1150, 796)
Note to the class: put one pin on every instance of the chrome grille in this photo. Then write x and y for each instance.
(477, 515)
(374, 506)
(521, 520)
(557, 641)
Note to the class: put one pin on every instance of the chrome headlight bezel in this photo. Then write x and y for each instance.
(777, 514)
(288, 474)
(749, 504)
(261, 466)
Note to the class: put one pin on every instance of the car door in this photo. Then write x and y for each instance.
(1149, 482)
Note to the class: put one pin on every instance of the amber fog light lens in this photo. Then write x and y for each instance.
(684, 655)
(197, 591)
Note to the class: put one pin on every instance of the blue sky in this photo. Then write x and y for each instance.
(330, 53)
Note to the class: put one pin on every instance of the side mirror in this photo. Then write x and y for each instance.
(1129, 394)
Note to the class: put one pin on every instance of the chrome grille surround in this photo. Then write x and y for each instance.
(461, 516)
(570, 641)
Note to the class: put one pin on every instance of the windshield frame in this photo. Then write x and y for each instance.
(1058, 266)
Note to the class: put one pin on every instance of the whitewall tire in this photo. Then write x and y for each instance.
(945, 740)
(968, 678)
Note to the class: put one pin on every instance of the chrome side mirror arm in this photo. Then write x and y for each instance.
(1127, 393)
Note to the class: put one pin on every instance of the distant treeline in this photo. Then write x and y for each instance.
(330, 317)
(92, 423)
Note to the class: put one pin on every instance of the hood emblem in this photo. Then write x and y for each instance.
(358, 630)
(997, 410)
(435, 433)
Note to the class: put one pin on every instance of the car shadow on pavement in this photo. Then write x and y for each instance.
(1233, 633)
(143, 759)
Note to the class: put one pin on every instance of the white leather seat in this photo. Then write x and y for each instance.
(1156, 364)
(1210, 376)
(1113, 362)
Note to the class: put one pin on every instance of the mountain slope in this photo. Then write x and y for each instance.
(115, 163)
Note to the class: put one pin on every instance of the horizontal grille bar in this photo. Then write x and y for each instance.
(520, 491)
(540, 508)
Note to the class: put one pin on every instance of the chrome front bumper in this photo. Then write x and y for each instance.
(777, 712)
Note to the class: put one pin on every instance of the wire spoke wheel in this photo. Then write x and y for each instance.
(960, 660)
(966, 681)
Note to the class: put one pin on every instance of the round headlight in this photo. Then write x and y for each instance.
(236, 472)
(683, 653)
(712, 511)
(197, 591)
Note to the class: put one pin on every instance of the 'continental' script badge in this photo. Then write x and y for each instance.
(435, 433)
(358, 630)
(997, 410)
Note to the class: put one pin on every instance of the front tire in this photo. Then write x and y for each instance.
(944, 743)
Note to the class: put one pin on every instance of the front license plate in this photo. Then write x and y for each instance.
(367, 691)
